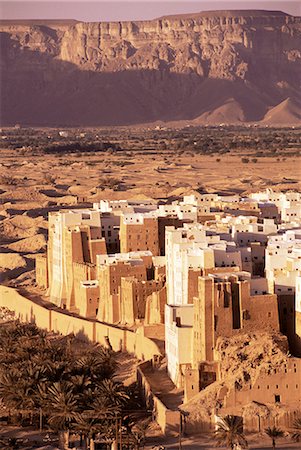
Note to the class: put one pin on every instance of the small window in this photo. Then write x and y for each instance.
(277, 398)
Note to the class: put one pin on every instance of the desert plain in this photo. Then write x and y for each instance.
(34, 182)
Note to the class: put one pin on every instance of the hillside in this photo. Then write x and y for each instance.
(288, 111)
(223, 66)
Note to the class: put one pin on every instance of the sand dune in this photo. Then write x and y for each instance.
(287, 112)
(229, 112)
(30, 244)
(24, 208)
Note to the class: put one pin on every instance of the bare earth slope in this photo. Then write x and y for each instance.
(229, 66)
(288, 111)
(243, 358)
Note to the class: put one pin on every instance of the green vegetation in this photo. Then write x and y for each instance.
(110, 183)
(245, 160)
(248, 140)
(82, 147)
(68, 384)
(9, 180)
(274, 433)
(229, 433)
(296, 434)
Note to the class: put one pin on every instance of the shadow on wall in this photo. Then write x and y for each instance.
(49, 317)
(287, 321)
(38, 89)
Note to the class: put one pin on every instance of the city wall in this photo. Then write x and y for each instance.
(169, 420)
(50, 318)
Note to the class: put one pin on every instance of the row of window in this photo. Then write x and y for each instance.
(277, 386)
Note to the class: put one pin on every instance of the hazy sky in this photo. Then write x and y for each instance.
(100, 10)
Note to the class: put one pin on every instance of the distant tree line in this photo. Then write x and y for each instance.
(81, 147)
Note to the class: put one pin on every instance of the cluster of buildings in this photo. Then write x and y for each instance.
(207, 266)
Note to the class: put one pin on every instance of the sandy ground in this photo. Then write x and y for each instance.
(27, 438)
(47, 441)
(206, 442)
(44, 183)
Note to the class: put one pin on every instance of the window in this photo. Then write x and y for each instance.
(277, 398)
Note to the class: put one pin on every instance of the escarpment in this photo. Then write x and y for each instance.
(223, 66)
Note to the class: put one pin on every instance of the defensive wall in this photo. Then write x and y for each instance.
(51, 318)
(168, 419)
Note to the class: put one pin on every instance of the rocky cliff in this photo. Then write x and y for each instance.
(224, 66)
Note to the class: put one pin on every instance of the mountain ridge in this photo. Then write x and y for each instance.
(171, 68)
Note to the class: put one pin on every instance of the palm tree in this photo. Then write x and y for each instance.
(137, 430)
(92, 420)
(61, 405)
(88, 427)
(98, 363)
(229, 432)
(79, 383)
(274, 433)
(296, 435)
(68, 385)
(16, 393)
(103, 408)
(112, 392)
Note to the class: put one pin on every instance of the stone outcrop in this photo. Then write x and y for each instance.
(171, 68)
